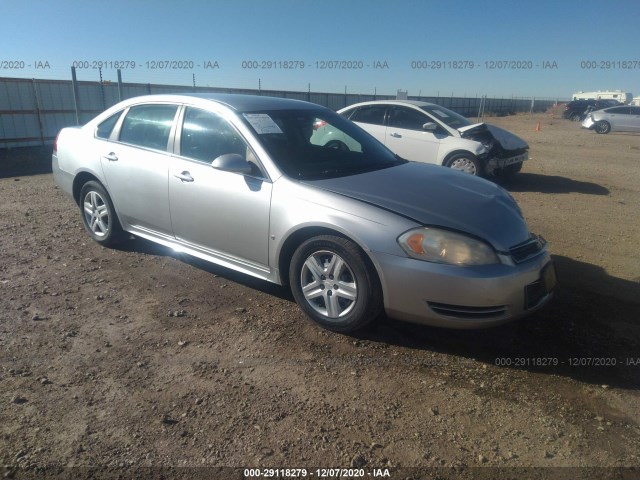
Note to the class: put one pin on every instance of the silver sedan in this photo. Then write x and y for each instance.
(625, 118)
(248, 183)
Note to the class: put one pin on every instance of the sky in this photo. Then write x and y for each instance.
(517, 48)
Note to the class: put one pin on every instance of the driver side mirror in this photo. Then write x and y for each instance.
(430, 127)
(232, 162)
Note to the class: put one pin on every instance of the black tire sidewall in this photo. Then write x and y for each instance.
(369, 301)
(114, 230)
(606, 128)
(470, 156)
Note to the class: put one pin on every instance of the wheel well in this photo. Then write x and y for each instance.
(297, 238)
(457, 152)
(79, 181)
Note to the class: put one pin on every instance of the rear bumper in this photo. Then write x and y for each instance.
(63, 179)
(464, 297)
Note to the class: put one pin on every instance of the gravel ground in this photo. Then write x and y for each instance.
(141, 358)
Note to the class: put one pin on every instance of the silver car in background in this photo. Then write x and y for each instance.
(625, 118)
(244, 182)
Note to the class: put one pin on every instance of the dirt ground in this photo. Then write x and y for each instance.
(139, 357)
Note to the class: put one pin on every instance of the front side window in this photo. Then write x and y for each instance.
(407, 118)
(205, 136)
(148, 126)
(619, 110)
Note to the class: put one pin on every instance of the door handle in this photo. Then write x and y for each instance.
(396, 135)
(112, 157)
(184, 177)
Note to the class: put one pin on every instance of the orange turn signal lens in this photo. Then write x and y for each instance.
(415, 243)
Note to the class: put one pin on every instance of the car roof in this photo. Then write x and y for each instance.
(415, 103)
(237, 102)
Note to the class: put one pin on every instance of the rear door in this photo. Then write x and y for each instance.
(136, 167)
(371, 118)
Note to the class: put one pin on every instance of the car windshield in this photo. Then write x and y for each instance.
(446, 116)
(311, 144)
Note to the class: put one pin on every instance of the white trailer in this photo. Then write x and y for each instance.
(619, 95)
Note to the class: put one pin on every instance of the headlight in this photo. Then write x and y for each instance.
(488, 144)
(443, 246)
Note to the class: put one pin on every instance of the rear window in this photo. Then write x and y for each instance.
(105, 128)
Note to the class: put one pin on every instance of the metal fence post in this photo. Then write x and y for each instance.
(74, 84)
(37, 104)
(119, 85)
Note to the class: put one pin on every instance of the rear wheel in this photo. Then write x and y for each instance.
(575, 117)
(98, 215)
(465, 162)
(332, 282)
(602, 127)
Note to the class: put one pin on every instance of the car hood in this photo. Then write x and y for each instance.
(438, 196)
(507, 140)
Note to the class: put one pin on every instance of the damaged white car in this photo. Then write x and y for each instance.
(428, 133)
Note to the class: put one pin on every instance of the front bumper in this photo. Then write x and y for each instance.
(496, 162)
(464, 297)
(588, 123)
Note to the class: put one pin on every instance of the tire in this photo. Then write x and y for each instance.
(575, 117)
(602, 127)
(509, 172)
(334, 285)
(98, 215)
(465, 162)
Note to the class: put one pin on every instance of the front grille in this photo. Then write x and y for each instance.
(513, 153)
(461, 311)
(526, 250)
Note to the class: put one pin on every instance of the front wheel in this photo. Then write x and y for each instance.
(98, 215)
(602, 127)
(333, 284)
(465, 162)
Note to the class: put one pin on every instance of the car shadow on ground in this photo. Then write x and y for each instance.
(592, 328)
(534, 182)
(141, 246)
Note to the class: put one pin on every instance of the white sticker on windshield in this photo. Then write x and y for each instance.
(440, 113)
(262, 123)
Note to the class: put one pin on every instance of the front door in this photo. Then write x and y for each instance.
(220, 213)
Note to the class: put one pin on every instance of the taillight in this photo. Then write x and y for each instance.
(55, 144)
(318, 124)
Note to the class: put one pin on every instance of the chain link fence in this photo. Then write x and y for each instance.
(32, 111)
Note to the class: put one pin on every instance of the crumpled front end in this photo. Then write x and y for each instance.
(503, 147)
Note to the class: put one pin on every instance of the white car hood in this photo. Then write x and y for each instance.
(508, 140)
